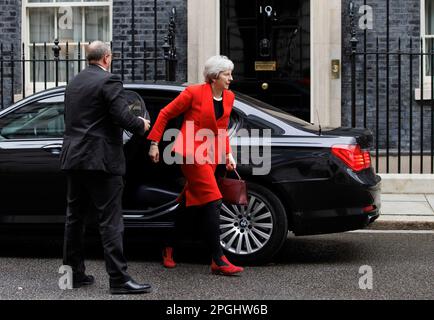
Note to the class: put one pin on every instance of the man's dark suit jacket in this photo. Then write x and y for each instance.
(95, 114)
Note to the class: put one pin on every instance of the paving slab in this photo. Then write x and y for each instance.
(405, 212)
(406, 208)
(403, 197)
(430, 199)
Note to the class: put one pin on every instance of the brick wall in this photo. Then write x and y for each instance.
(10, 34)
(405, 25)
(144, 26)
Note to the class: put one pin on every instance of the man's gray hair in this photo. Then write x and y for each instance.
(97, 50)
(215, 65)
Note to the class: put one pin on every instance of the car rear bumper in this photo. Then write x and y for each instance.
(311, 222)
(334, 220)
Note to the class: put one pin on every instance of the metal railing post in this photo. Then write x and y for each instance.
(353, 42)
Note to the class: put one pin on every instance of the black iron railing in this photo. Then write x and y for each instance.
(392, 93)
(24, 72)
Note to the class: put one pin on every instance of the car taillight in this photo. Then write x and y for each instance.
(368, 208)
(352, 156)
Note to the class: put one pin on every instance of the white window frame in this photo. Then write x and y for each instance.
(25, 35)
(426, 79)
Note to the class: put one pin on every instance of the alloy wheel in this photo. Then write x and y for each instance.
(246, 229)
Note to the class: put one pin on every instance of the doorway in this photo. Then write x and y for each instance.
(269, 43)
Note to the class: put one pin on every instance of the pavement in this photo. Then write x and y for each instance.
(405, 211)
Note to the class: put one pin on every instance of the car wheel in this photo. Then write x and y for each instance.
(253, 234)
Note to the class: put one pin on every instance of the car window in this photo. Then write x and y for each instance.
(234, 123)
(40, 119)
(136, 105)
(271, 110)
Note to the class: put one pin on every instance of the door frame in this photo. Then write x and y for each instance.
(326, 45)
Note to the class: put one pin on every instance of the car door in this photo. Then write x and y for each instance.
(150, 188)
(32, 187)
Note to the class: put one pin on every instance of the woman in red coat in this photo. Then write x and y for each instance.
(202, 143)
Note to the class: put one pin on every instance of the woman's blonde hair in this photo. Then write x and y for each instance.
(215, 65)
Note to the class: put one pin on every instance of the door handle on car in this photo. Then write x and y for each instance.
(54, 148)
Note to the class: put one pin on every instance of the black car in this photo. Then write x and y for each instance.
(320, 180)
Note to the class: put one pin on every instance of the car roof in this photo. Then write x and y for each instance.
(158, 85)
(245, 106)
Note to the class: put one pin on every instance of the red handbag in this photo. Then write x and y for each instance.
(234, 191)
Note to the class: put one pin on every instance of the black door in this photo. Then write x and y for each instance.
(269, 43)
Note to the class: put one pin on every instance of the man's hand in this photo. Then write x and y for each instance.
(231, 165)
(147, 123)
(154, 153)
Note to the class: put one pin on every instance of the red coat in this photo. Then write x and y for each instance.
(196, 103)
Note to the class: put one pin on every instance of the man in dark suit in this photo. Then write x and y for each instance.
(92, 156)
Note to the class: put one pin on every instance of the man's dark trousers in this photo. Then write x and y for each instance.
(95, 193)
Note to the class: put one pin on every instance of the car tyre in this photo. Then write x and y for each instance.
(253, 234)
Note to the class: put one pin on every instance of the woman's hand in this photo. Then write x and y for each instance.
(231, 165)
(154, 153)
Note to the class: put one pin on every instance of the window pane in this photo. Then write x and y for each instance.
(37, 120)
(97, 24)
(42, 69)
(72, 66)
(41, 24)
(429, 48)
(429, 13)
(69, 25)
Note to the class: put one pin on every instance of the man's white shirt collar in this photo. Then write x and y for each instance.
(102, 68)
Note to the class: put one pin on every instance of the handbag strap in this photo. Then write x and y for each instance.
(235, 170)
(239, 177)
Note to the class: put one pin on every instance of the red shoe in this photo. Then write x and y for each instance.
(168, 261)
(227, 270)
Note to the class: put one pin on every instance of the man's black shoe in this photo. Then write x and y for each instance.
(81, 281)
(130, 287)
